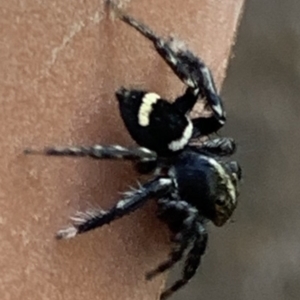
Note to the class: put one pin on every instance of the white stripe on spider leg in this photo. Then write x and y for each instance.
(216, 107)
(119, 148)
(165, 181)
(145, 150)
(122, 203)
(98, 147)
(207, 75)
(146, 108)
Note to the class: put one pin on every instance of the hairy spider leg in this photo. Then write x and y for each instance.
(161, 46)
(186, 216)
(190, 69)
(99, 152)
(219, 147)
(192, 262)
(86, 221)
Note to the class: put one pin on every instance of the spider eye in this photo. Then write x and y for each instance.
(220, 202)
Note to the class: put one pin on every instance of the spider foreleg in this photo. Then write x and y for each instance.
(192, 262)
(205, 126)
(163, 47)
(186, 102)
(190, 69)
(220, 146)
(140, 27)
(182, 218)
(83, 222)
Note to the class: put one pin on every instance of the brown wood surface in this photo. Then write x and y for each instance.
(61, 62)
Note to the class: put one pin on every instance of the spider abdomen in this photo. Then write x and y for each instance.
(154, 122)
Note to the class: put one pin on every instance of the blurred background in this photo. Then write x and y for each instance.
(258, 256)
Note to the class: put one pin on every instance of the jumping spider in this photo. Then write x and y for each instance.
(192, 183)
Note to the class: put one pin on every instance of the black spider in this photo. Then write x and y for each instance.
(192, 183)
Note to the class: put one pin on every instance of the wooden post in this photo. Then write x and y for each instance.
(61, 62)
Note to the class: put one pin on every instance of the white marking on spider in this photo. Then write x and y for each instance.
(98, 147)
(67, 233)
(146, 108)
(225, 177)
(184, 139)
(196, 91)
(145, 150)
(218, 109)
(208, 76)
(82, 217)
(165, 181)
(122, 203)
(119, 148)
(173, 59)
(177, 45)
(190, 82)
(75, 149)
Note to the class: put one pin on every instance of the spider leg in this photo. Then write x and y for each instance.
(162, 47)
(220, 146)
(99, 152)
(192, 262)
(182, 218)
(83, 222)
(190, 69)
(186, 102)
(205, 126)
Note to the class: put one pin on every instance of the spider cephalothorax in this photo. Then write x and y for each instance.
(192, 183)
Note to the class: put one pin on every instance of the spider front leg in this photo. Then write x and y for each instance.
(164, 48)
(219, 147)
(99, 152)
(181, 218)
(190, 70)
(192, 262)
(86, 221)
